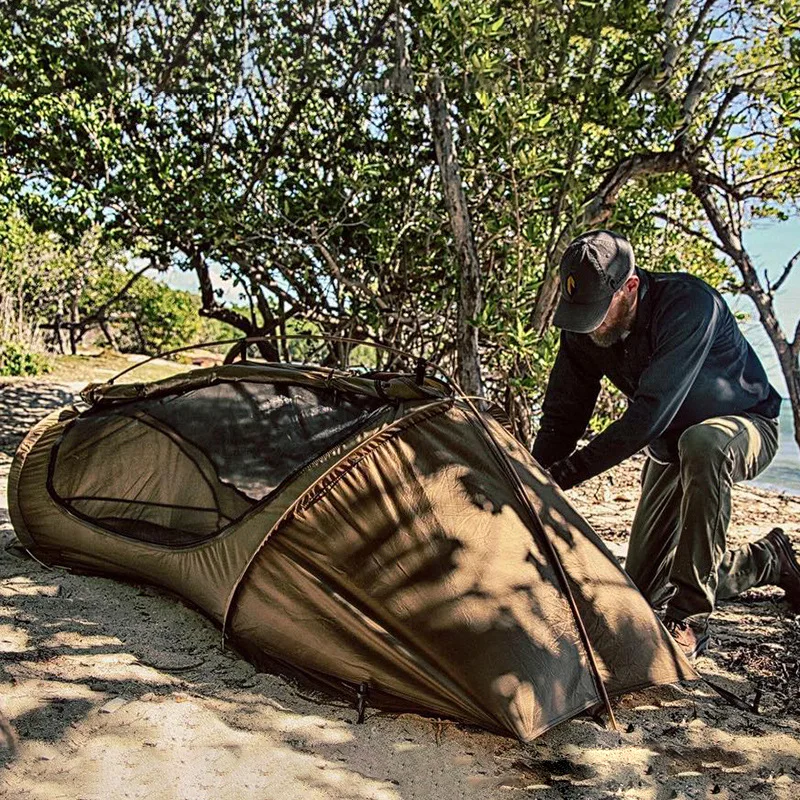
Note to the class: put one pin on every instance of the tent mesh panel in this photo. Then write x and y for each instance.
(178, 469)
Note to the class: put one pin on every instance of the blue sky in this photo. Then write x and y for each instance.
(771, 245)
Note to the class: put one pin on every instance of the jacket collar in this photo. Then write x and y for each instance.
(644, 302)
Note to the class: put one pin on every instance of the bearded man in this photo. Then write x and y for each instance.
(699, 402)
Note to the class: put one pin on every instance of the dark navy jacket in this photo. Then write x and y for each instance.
(684, 361)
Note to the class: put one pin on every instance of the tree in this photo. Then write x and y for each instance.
(739, 146)
(43, 284)
(293, 148)
(199, 135)
(50, 291)
(629, 128)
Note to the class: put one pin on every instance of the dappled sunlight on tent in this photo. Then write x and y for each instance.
(374, 535)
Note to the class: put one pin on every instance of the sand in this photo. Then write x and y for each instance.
(117, 690)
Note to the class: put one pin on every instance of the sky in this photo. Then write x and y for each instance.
(771, 244)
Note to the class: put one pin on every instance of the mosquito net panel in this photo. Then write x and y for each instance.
(178, 469)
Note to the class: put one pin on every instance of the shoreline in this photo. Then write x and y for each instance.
(774, 488)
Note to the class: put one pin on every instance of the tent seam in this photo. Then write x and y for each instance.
(376, 440)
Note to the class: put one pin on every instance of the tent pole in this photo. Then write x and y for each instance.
(429, 409)
(243, 341)
(523, 497)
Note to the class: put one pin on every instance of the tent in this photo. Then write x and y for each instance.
(372, 532)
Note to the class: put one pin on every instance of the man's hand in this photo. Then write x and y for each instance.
(563, 474)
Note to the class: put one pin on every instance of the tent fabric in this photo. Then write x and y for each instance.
(122, 485)
(216, 444)
(388, 547)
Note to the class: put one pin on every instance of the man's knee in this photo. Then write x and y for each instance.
(703, 448)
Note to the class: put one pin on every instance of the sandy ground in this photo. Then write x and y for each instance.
(118, 690)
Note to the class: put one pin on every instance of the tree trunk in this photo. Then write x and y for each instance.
(57, 333)
(140, 336)
(210, 306)
(73, 328)
(76, 330)
(108, 333)
(519, 412)
(731, 241)
(468, 373)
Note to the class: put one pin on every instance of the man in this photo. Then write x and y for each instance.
(700, 403)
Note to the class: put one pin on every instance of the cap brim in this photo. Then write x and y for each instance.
(581, 317)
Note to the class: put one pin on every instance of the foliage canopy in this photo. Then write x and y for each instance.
(288, 146)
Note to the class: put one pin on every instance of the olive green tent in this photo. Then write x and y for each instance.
(372, 532)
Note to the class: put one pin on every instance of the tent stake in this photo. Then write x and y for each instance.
(361, 702)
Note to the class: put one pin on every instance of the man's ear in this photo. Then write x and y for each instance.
(632, 284)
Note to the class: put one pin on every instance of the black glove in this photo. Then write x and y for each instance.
(564, 474)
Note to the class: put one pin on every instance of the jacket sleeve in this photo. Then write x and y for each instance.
(685, 333)
(570, 398)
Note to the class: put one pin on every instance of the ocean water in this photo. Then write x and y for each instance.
(783, 474)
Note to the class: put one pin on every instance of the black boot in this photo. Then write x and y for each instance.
(789, 576)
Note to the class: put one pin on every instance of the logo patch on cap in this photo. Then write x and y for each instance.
(570, 287)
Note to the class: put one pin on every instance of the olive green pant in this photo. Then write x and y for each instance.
(676, 555)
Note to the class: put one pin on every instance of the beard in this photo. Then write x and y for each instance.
(608, 337)
(616, 324)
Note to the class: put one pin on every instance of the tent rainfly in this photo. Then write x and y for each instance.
(371, 532)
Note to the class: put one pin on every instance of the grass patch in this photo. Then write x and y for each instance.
(99, 367)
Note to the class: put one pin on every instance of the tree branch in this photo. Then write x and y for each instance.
(100, 312)
(698, 23)
(210, 306)
(729, 235)
(785, 274)
(712, 179)
(180, 51)
(334, 268)
(596, 210)
(766, 176)
(794, 347)
(278, 139)
(690, 231)
(732, 93)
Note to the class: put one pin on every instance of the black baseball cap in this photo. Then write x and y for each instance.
(594, 266)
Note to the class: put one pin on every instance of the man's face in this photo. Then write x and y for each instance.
(619, 317)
